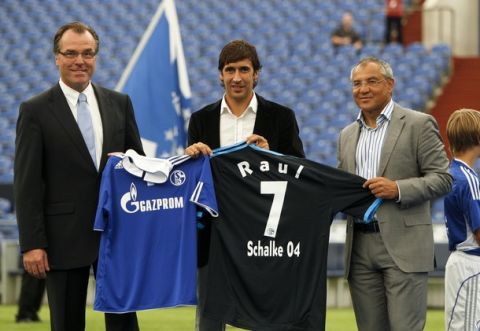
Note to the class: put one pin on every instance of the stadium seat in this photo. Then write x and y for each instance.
(5, 206)
(393, 49)
(416, 48)
(371, 49)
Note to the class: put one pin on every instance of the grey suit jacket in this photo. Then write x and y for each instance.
(413, 155)
(56, 183)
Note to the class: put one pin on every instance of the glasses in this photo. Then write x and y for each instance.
(356, 84)
(86, 55)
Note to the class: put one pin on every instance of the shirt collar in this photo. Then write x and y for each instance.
(252, 106)
(463, 163)
(72, 95)
(386, 114)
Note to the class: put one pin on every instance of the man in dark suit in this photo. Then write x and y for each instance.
(400, 153)
(241, 115)
(57, 176)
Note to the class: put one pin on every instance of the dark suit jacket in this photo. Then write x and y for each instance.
(55, 181)
(275, 122)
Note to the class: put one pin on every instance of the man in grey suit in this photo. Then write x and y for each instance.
(401, 154)
(57, 176)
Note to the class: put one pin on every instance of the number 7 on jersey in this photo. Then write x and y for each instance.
(278, 189)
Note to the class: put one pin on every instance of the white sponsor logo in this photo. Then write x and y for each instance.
(130, 205)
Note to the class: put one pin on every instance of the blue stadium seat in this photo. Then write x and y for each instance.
(440, 60)
(6, 163)
(346, 51)
(437, 209)
(375, 31)
(5, 206)
(404, 103)
(410, 59)
(315, 122)
(430, 72)
(415, 96)
(443, 49)
(371, 50)
(393, 49)
(8, 227)
(416, 48)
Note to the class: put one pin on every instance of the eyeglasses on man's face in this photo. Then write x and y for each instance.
(86, 55)
(372, 82)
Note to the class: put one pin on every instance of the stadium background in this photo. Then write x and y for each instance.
(437, 70)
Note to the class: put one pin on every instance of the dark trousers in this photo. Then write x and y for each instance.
(203, 323)
(67, 298)
(31, 295)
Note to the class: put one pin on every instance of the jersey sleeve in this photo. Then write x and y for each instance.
(204, 193)
(472, 209)
(350, 197)
(104, 206)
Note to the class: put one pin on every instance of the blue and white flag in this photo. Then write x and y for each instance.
(156, 80)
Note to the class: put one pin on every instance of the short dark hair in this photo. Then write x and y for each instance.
(238, 50)
(77, 27)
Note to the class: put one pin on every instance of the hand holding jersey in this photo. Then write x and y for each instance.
(382, 187)
(201, 148)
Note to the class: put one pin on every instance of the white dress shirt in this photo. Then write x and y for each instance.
(235, 129)
(72, 99)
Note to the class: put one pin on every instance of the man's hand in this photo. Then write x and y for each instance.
(36, 263)
(382, 187)
(477, 236)
(257, 140)
(197, 149)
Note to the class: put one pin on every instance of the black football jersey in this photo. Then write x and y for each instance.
(268, 253)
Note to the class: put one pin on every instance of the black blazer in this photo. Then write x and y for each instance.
(56, 184)
(275, 122)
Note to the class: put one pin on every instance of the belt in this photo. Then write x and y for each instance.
(367, 227)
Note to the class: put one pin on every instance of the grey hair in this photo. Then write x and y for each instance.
(385, 68)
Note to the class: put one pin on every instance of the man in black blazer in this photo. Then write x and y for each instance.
(241, 115)
(57, 180)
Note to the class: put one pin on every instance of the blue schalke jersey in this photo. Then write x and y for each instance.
(148, 248)
(462, 209)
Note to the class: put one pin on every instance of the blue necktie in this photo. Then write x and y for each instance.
(84, 119)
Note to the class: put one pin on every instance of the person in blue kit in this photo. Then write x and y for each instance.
(462, 213)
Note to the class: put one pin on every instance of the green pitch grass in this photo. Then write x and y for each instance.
(182, 319)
